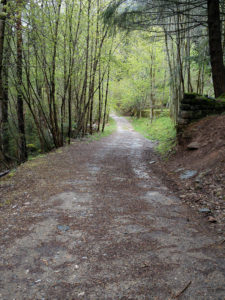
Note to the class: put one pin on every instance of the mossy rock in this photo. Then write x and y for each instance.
(190, 95)
(205, 101)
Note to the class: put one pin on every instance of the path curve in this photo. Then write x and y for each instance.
(93, 222)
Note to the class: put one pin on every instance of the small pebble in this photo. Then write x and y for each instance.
(81, 294)
(37, 281)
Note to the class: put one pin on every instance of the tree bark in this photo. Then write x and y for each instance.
(3, 102)
(215, 46)
(106, 97)
(20, 110)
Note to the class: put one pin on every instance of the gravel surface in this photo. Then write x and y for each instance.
(92, 221)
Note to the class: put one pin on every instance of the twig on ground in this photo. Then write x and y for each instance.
(181, 292)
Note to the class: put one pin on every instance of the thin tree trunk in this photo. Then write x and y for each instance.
(57, 139)
(83, 105)
(99, 99)
(106, 98)
(69, 112)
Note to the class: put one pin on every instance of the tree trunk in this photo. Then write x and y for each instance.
(5, 102)
(215, 46)
(3, 106)
(20, 111)
(56, 133)
(106, 97)
(69, 112)
(99, 98)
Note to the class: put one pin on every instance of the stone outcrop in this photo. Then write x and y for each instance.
(194, 107)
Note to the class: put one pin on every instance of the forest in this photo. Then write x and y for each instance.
(65, 64)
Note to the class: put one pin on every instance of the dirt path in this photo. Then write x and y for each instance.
(93, 222)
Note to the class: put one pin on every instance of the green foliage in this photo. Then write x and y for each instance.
(11, 174)
(31, 148)
(67, 53)
(66, 57)
(140, 70)
(161, 129)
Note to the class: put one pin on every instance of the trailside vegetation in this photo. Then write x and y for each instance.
(160, 130)
(65, 63)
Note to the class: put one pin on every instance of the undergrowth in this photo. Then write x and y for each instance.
(110, 127)
(161, 129)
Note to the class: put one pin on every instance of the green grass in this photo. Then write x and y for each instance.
(161, 129)
(33, 157)
(109, 129)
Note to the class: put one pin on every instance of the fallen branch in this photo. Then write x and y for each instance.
(4, 173)
(184, 289)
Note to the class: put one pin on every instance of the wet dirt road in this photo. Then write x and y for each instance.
(98, 224)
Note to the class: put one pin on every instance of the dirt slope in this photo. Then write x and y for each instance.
(92, 221)
(207, 188)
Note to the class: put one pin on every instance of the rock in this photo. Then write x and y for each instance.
(186, 114)
(198, 180)
(188, 174)
(204, 173)
(218, 193)
(37, 281)
(81, 294)
(212, 219)
(193, 146)
(179, 170)
(182, 121)
(204, 210)
(198, 186)
(152, 162)
(63, 228)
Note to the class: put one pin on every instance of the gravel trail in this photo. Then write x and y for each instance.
(92, 221)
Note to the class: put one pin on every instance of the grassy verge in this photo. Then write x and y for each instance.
(110, 127)
(162, 130)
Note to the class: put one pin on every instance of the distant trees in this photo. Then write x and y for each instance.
(185, 25)
(54, 73)
(140, 76)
